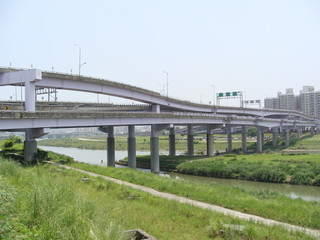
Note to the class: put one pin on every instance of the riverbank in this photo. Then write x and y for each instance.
(268, 204)
(47, 202)
(273, 167)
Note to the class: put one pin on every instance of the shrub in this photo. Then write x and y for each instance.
(41, 155)
(302, 177)
(317, 180)
(8, 144)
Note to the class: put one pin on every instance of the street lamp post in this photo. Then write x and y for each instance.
(167, 82)
(214, 93)
(80, 64)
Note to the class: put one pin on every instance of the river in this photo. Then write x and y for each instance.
(307, 193)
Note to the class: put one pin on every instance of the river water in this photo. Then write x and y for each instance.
(308, 193)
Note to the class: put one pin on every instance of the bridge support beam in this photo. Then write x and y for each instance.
(210, 146)
(172, 142)
(229, 138)
(259, 139)
(154, 149)
(190, 140)
(111, 147)
(132, 160)
(275, 136)
(287, 137)
(312, 131)
(30, 96)
(30, 144)
(244, 138)
(299, 133)
(30, 150)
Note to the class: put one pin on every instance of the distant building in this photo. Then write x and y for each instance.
(308, 101)
(272, 103)
(287, 101)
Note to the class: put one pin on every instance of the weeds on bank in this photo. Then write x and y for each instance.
(48, 202)
(269, 205)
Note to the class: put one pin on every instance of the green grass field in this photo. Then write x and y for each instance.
(47, 202)
(269, 204)
(272, 167)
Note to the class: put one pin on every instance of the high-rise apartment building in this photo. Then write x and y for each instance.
(308, 101)
(272, 103)
(287, 100)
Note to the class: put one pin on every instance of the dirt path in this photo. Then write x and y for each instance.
(225, 211)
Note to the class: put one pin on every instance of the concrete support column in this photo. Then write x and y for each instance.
(111, 147)
(132, 160)
(190, 140)
(318, 130)
(259, 139)
(312, 131)
(287, 137)
(30, 150)
(172, 142)
(155, 108)
(30, 96)
(229, 138)
(210, 146)
(299, 132)
(275, 136)
(244, 139)
(30, 144)
(154, 149)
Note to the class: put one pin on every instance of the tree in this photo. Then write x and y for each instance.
(252, 132)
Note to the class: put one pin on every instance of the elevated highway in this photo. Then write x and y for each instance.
(156, 110)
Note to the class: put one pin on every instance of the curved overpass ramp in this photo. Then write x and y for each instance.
(43, 79)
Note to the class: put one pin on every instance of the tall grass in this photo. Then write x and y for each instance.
(273, 168)
(269, 205)
(48, 208)
(54, 203)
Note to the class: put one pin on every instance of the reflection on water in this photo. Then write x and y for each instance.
(307, 193)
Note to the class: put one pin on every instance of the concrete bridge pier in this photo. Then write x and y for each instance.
(312, 130)
(229, 138)
(287, 137)
(275, 136)
(318, 130)
(172, 142)
(244, 139)
(259, 139)
(154, 149)
(190, 140)
(210, 147)
(30, 143)
(111, 147)
(299, 133)
(132, 160)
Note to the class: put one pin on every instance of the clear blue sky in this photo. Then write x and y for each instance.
(259, 47)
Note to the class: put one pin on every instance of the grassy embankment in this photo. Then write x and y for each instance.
(47, 202)
(307, 143)
(277, 168)
(269, 204)
(271, 167)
